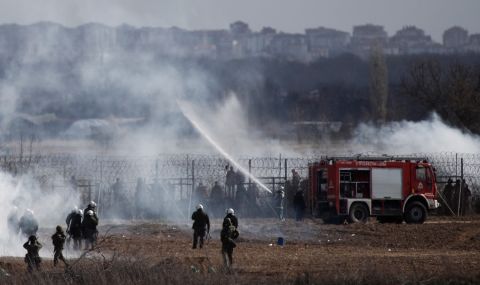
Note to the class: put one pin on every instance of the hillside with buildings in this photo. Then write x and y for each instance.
(99, 41)
(94, 80)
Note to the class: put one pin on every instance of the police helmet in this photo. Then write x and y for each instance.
(90, 212)
(230, 211)
(92, 204)
(199, 207)
(32, 238)
(59, 228)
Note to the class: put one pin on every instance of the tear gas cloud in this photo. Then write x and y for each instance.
(406, 137)
(50, 206)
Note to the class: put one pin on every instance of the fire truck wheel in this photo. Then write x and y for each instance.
(415, 213)
(358, 213)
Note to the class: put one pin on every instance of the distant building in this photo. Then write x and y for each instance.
(473, 43)
(240, 32)
(455, 38)
(325, 42)
(239, 28)
(411, 40)
(289, 46)
(258, 44)
(268, 31)
(212, 43)
(367, 36)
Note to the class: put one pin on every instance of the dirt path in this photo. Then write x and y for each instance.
(442, 249)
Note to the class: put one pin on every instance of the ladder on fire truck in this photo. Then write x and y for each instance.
(361, 157)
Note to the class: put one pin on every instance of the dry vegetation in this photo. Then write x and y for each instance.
(440, 252)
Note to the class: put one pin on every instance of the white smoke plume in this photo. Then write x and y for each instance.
(50, 206)
(405, 137)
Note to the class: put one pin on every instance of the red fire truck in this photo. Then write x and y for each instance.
(393, 189)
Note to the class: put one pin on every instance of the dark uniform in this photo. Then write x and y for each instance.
(89, 227)
(201, 227)
(58, 240)
(230, 182)
(93, 209)
(465, 199)
(74, 228)
(233, 220)
(299, 204)
(227, 236)
(295, 180)
(32, 258)
(217, 201)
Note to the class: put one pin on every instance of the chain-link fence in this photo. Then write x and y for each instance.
(94, 176)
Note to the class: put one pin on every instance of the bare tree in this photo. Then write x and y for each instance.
(378, 84)
(452, 91)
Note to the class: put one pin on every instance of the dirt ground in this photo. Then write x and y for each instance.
(441, 251)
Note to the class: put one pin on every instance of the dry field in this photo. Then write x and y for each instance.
(442, 251)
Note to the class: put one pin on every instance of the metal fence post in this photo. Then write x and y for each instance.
(286, 172)
(280, 166)
(460, 190)
(193, 187)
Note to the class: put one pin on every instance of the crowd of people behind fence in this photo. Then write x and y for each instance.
(288, 198)
(456, 198)
(154, 200)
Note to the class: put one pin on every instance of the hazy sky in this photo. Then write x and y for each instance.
(434, 16)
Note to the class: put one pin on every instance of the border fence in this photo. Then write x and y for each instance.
(93, 176)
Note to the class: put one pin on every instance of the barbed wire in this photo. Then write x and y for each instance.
(185, 169)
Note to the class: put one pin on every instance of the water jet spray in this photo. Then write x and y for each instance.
(189, 114)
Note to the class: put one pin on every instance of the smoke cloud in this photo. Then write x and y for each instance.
(405, 137)
(49, 203)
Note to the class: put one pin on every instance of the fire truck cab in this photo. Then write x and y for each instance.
(393, 189)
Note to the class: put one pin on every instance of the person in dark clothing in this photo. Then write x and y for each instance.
(239, 181)
(74, 228)
(28, 224)
(227, 236)
(465, 199)
(299, 204)
(32, 258)
(241, 198)
(58, 240)
(448, 192)
(89, 227)
(91, 206)
(68, 220)
(295, 180)
(216, 194)
(230, 182)
(217, 200)
(201, 226)
(231, 215)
